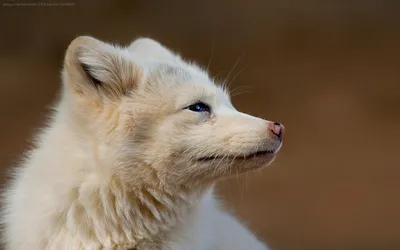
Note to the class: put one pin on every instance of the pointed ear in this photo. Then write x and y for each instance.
(94, 68)
(147, 48)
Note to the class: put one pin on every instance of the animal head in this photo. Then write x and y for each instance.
(147, 115)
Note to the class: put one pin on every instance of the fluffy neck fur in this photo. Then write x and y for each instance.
(101, 205)
(140, 215)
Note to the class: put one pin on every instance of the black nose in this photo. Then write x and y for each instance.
(277, 124)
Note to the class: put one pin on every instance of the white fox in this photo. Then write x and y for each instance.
(130, 157)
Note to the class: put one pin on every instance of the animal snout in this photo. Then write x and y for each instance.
(276, 129)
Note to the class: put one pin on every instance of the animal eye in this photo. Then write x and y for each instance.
(199, 107)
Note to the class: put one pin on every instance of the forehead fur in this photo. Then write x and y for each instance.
(162, 65)
(187, 82)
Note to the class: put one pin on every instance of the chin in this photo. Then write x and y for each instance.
(254, 162)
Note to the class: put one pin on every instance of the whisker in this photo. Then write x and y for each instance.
(239, 90)
(236, 75)
(233, 68)
(211, 56)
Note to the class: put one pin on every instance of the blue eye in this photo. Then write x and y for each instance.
(199, 107)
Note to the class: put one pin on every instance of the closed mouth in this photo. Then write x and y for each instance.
(238, 157)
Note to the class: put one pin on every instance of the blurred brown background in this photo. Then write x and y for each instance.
(328, 70)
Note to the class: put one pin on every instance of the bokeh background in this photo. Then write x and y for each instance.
(327, 69)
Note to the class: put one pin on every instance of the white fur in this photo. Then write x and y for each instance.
(118, 168)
